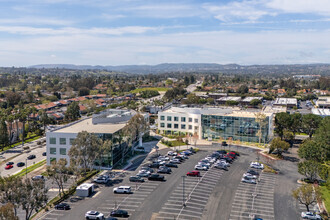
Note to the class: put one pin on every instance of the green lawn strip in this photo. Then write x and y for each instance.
(159, 89)
(326, 197)
(19, 143)
(30, 168)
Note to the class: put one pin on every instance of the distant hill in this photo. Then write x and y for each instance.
(200, 68)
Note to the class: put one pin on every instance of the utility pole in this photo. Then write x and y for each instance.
(25, 168)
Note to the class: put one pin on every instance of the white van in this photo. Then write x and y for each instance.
(122, 189)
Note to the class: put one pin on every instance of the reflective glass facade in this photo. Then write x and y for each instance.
(238, 128)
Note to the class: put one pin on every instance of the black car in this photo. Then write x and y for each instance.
(224, 143)
(32, 156)
(10, 163)
(136, 179)
(154, 165)
(119, 213)
(156, 177)
(111, 218)
(164, 170)
(222, 152)
(62, 206)
(171, 165)
(253, 172)
(20, 164)
(44, 154)
(179, 158)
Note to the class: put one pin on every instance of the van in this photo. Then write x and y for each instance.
(122, 189)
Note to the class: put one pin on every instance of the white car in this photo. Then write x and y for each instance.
(249, 176)
(176, 161)
(163, 158)
(204, 164)
(102, 179)
(223, 162)
(143, 173)
(200, 167)
(122, 189)
(94, 215)
(171, 153)
(257, 165)
(221, 166)
(310, 215)
(253, 181)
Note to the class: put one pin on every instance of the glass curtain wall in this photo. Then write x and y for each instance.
(238, 128)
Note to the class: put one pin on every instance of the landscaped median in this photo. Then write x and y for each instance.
(30, 169)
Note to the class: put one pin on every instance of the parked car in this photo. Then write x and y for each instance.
(253, 172)
(224, 143)
(31, 157)
(38, 177)
(44, 154)
(194, 173)
(143, 173)
(163, 158)
(171, 153)
(249, 176)
(204, 164)
(119, 213)
(236, 153)
(136, 179)
(122, 189)
(94, 215)
(102, 179)
(147, 169)
(154, 165)
(156, 177)
(310, 215)
(222, 152)
(176, 161)
(257, 165)
(252, 181)
(62, 206)
(20, 164)
(10, 163)
(170, 164)
(8, 167)
(200, 167)
(221, 166)
(164, 169)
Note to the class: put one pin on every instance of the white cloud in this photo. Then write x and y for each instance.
(301, 6)
(36, 21)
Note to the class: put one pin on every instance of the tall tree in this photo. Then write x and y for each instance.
(33, 195)
(72, 112)
(4, 138)
(7, 212)
(283, 122)
(296, 123)
(313, 150)
(10, 191)
(310, 169)
(44, 119)
(307, 195)
(278, 145)
(58, 172)
(84, 150)
(261, 120)
(310, 123)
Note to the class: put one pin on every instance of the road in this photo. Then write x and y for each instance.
(19, 155)
(192, 87)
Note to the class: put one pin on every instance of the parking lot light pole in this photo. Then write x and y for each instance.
(183, 201)
(25, 168)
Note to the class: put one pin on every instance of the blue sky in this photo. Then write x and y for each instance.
(119, 32)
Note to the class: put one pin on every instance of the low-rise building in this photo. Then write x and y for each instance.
(223, 100)
(323, 112)
(287, 102)
(247, 100)
(323, 102)
(215, 123)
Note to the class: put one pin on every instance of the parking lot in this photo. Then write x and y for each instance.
(190, 197)
(255, 200)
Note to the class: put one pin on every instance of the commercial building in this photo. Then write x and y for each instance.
(106, 125)
(217, 95)
(323, 102)
(215, 123)
(287, 102)
(247, 100)
(223, 100)
(323, 112)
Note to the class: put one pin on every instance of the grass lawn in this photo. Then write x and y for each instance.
(30, 168)
(19, 143)
(159, 89)
(326, 197)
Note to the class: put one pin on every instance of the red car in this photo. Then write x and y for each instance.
(8, 167)
(194, 173)
(230, 156)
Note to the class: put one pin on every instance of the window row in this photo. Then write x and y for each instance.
(176, 126)
(52, 150)
(175, 118)
(62, 141)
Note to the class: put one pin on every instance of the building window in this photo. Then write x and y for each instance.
(52, 140)
(71, 141)
(196, 120)
(162, 117)
(169, 125)
(190, 127)
(190, 119)
(196, 127)
(176, 118)
(169, 118)
(63, 151)
(176, 126)
(183, 119)
(183, 126)
(62, 141)
(52, 150)
(162, 125)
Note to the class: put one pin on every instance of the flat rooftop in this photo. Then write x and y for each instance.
(230, 98)
(250, 98)
(285, 101)
(87, 125)
(321, 112)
